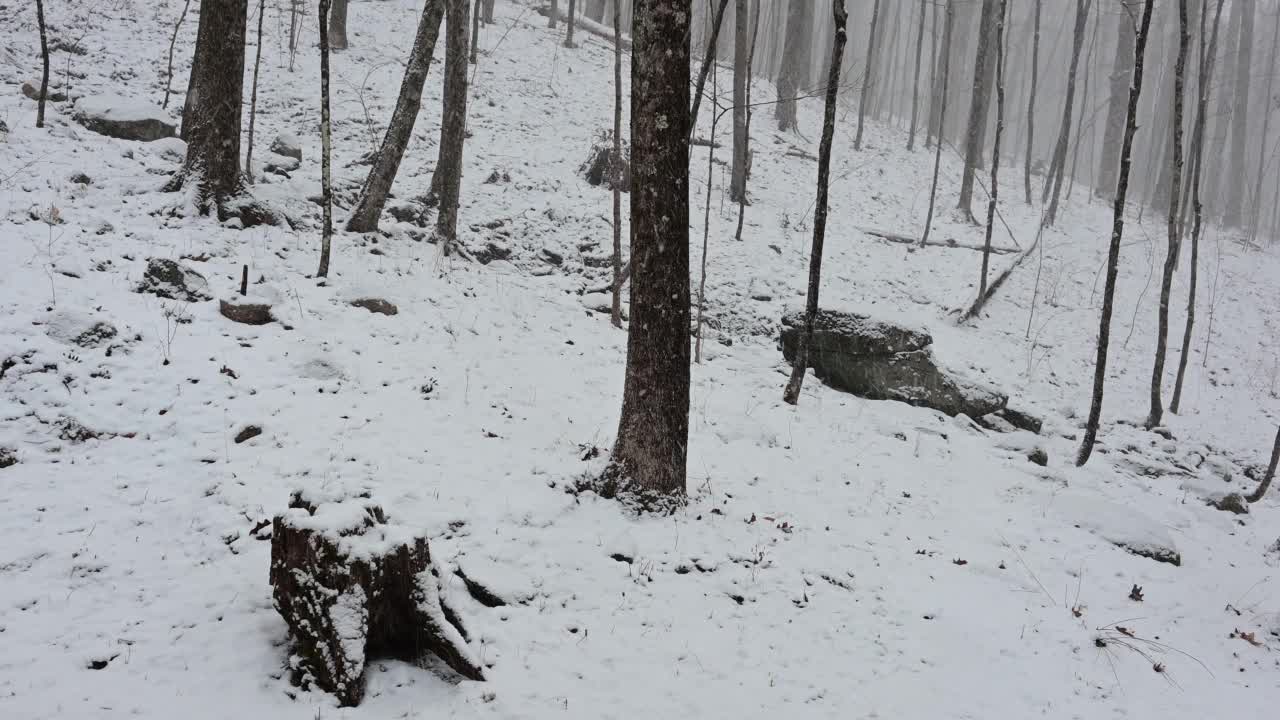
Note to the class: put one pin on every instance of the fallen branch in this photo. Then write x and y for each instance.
(976, 306)
(909, 240)
(588, 25)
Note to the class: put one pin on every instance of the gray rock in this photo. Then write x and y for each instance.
(1039, 456)
(288, 145)
(33, 92)
(174, 281)
(1232, 503)
(883, 361)
(376, 305)
(1021, 420)
(124, 118)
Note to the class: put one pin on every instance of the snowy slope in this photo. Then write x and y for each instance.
(845, 558)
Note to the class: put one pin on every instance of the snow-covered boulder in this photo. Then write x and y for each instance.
(882, 360)
(288, 145)
(124, 118)
(172, 280)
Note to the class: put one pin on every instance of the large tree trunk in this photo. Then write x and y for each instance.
(447, 179)
(648, 459)
(595, 10)
(1031, 103)
(1058, 165)
(387, 163)
(1113, 131)
(554, 14)
(800, 363)
(944, 83)
(1175, 195)
(211, 114)
(1207, 60)
(1233, 215)
(568, 37)
(915, 83)
(1117, 234)
(793, 75)
(326, 144)
(741, 78)
(707, 62)
(868, 73)
(979, 104)
(338, 25)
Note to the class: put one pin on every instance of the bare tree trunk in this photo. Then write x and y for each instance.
(751, 53)
(554, 15)
(1175, 195)
(488, 12)
(475, 30)
(616, 309)
(1057, 168)
(915, 84)
(568, 38)
(1121, 74)
(1271, 472)
(326, 144)
(1266, 130)
(648, 459)
(1117, 233)
(44, 58)
(794, 72)
(945, 81)
(707, 62)
(373, 197)
(706, 216)
(338, 25)
(933, 126)
(868, 73)
(1206, 64)
(447, 179)
(173, 40)
(995, 152)
(253, 95)
(211, 115)
(1031, 103)
(800, 363)
(1233, 216)
(1081, 122)
(741, 79)
(979, 104)
(595, 10)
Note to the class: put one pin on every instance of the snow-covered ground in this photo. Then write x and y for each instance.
(843, 558)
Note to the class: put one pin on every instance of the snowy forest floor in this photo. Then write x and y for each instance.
(842, 558)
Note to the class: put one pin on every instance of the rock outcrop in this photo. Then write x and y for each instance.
(882, 360)
(124, 118)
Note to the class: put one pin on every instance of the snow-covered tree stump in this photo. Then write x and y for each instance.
(353, 586)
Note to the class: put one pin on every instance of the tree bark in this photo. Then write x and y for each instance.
(488, 12)
(1031, 103)
(794, 71)
(616, 309)
(1175, 195)
(741, 78)
(475, 30)
(868, 73)
(932, 125)
(253, 94)
(1117, 233)
(44, 59)
(915, 83)
(1233, 216)
(338, 25)
(554, 14)
(945, 81)
(979, 105)
(1271, 472)
(648, 460)
(373, 197)
(707, 62)
(1058, 166)
(995, 152)
(447, 179)
(326, 143)
(568, 38)
(1207, 61)
(211, 114)
(800, 363)
(751, 54)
